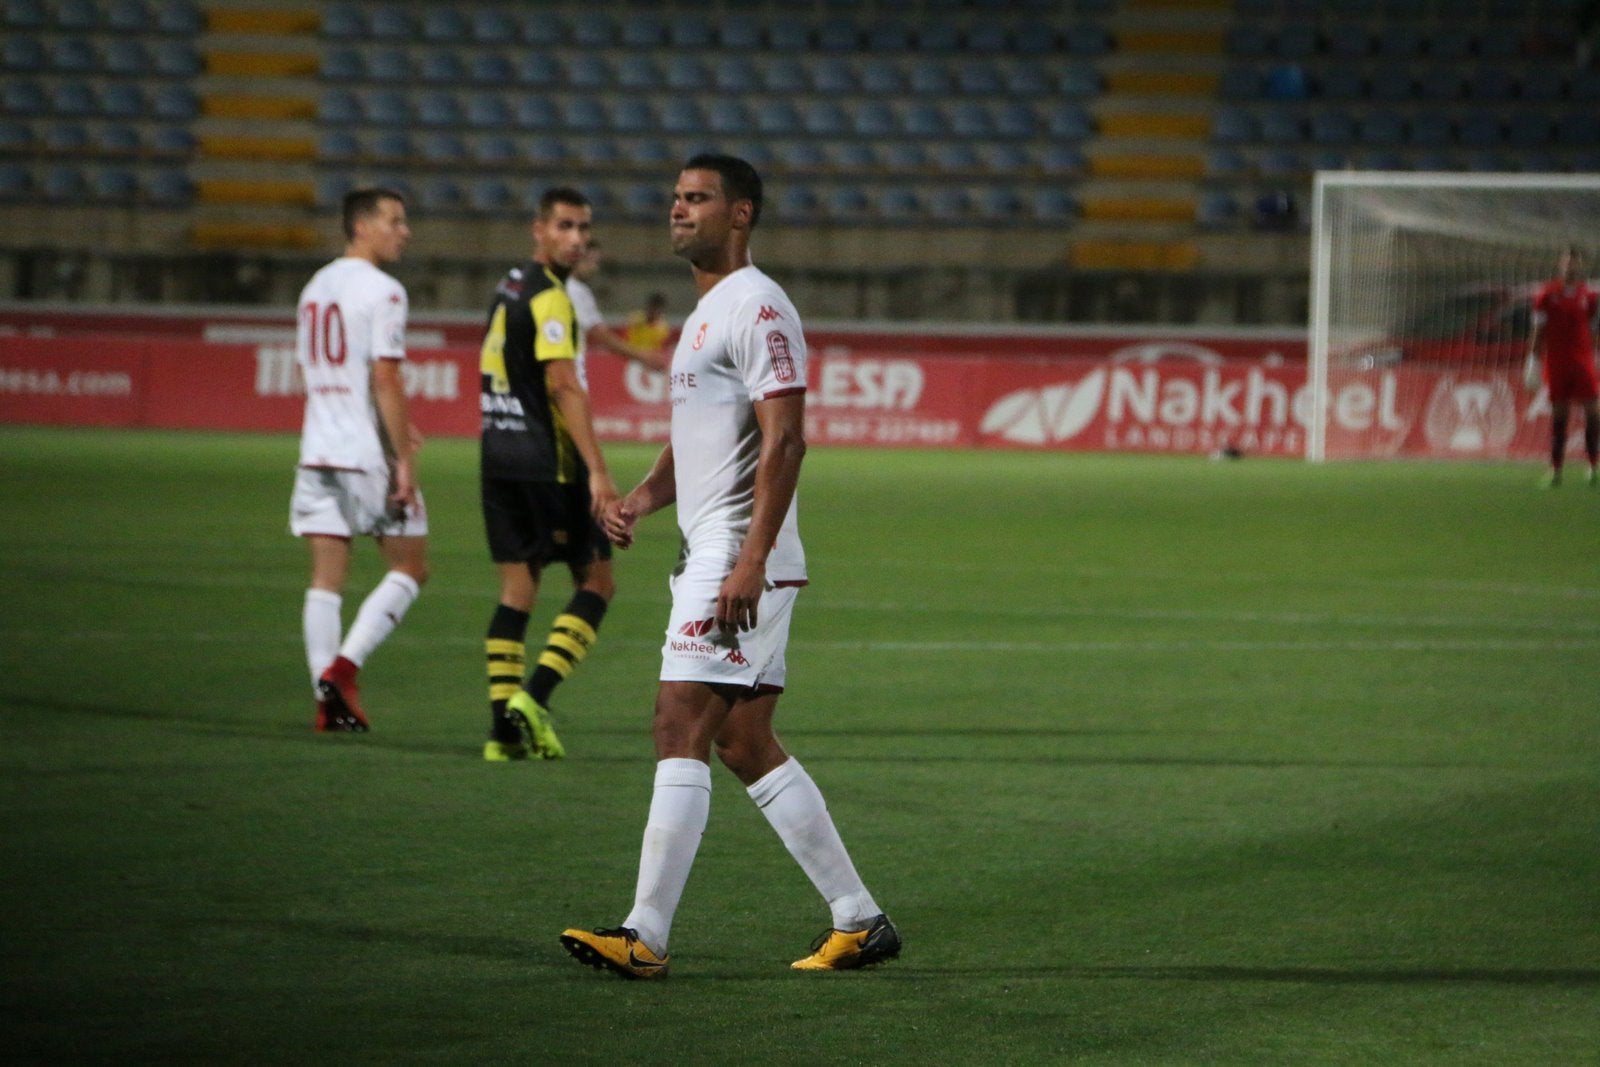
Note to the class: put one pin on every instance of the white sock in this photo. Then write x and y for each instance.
(380, 613)
(320, 622)
(794, 806)
(678, 812)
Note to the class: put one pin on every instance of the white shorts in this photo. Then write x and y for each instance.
(696, 650)
(342, 503)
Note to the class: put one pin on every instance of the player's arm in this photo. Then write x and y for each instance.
(658, 489)
(570, 398)
(613, 342)
(400, 438)
(783, 445)
(1530, 366)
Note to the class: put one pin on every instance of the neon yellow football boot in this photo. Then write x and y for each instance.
(533, 719)
(839, 950)
(618, 950)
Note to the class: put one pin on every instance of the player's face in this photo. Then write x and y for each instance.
(702, 215)
(385, 231)
(1569, 266)
(561, 237)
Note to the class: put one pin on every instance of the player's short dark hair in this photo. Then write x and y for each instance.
(739, 179)
(560, 194)
(362, 203)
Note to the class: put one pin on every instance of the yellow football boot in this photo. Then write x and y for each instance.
(838, 950)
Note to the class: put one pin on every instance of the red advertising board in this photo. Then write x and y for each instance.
(1152, 395)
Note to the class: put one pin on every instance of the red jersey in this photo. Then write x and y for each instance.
(1568, 311)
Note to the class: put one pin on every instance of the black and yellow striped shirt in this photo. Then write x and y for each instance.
(531, 322)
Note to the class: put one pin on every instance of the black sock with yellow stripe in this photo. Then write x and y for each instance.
(572, 635)
(506, 656)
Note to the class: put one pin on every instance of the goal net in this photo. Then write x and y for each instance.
(1421, 292)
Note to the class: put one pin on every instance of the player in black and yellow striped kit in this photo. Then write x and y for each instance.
(543, 480)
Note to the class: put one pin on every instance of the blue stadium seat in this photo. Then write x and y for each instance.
(1015, 118)
(905, 156)
(128, 16)
(1431, 129)
(490, 196)
(881, 77)
(838, 34)
(681, 115)
(687, 73)
(388, 65)
(825, 118)
(390, 23)
(179, 17)
(584, 114)
(541, 28)
(339, 64)
(1216, 210)
(888, 36)
(690, 31)
(490, 68)
(970, 119)
(170, 188)
(80, 16)
(1440, 84)
(642, 29)
(344, 22)
(117, 138)
(1068, 122)
(777, 118)
(444, 147)
(74, 55)
(1543, 84)
(653, 152)
(1051, 204)
(757, 152)
(924, 120)
(494, 26)
(1342, 82)
(122, 100)
(987, 37)
(785, 74)
(788, 35)
(177, 59)
(1286, 82)
(23, 55)
(979, 77)
(1061, 159)
(588, 71)
(632, 114)
(173, 141)
(899, 204)
(1330, 126)
(115, 185)
(339, 145)
(875, 119)
(638, 73)
(538, 70)
(547, 151)
(1479, 129)
(442, 194)
(1280, 163)
(848, 203)
(438, 107)
(735, 74)
(442, 66)
(852, 155)
(391, 146)
(73, 98)
(833, 74)
(1086, 40)
(739, 33)
(64, 183)
(385, 107)
(1005, 159)
(728, 116)
(1078, 81)
(802, 154)
(66, 137)
(1381, 128)
(1226, 163)
(1027, 79)
(930, 77)
(956, 156)
(593, 29)
(599, 152)
(495, 150)
(16, 182)
(338, 105)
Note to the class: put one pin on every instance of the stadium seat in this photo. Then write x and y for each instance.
(1431, 129)
(838, 34)
(122, 100)
(24, 55)
(1487, 161)
(388, 65)
(1328, 126)
(1051, 204)
(852, 155)
(338, 105)
(177, 59)
(655, 153)
(930, 77)
(74, 55)
(785, 74)
(1296, 40)
(442, 66)
(16, 182)
(79, 16)
(599, 152)
(1348, 41)
(1027, 79)
(1035, 38)
(1240, 82)
(344, 22)
(338, 64)
(735, 74)
(1381, 128)
(1391, 84)
(924, 120)
(970, 119)
(386, 107)
(64, 184)
(1492, 85)
(1585, 86)
(1286, 82)
(1068, 122)
(1577, 129)
(729, 116)
(327, 191)
(955, 157)
(547, 151)
(495, 150)
(797, 202)
(881, 77)
(173, 141)
(1280, 163)
(1226, 163)
(690, 31)
(444, 147)
(887, 37)
(390, 23)
(490, 196)
(444, 25)
(1216, 210)
(801, 155)
(998, 204)
(1528, 129)
(1078, 81)
(391, 146)
(937, 36)
(73, 98)
(875, 119)
(899, 204)
(1248, 41)
(848, 203)
(739, 33)
(1015, 118)
(789, 36)
(1440, 84)
(64, 137)
(442, 194)
(1479, 129)
(338, 145)
(638, 73)
(114, 186)
(493, 26)
(118, 139)
(687, 73)
(1004, 158)
(588, 71)
(1401, 42)
(825, 118)
(1380, 159)
(1543, 84)
(1061, 160)
(490, 68)
(1435, 160)
(979, 77)
(1451, 44)
(632, 115)
(645, 202)
(1342, 82)
(905, 156)
(179, 17)
(757, 152)
(1086, 40)
(584, 114)
(831, 74)
(538, 70)
(681, 115)
(541, 28)
(777, 118)
(642, 30)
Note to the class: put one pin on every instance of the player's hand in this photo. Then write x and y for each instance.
(602, 493)
(403, 485)
(618, 521)
(414, 437)
(740, 593)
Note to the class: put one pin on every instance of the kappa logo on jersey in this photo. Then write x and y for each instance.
(697, 627)
(782, 361)
(700, 336)
(768, 314)
(735, 656)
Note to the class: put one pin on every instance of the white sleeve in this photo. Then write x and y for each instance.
(584, 305)
(389, 323)
(768, 346)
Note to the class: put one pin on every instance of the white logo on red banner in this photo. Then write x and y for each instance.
(1471, 416)
(1045, 416)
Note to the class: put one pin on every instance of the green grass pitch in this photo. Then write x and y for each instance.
(1153, 760)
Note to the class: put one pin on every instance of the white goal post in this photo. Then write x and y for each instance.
(1420, 292)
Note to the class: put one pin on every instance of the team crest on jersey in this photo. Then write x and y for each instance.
(700, 336)
(768, 314)
(555, 331)
(778, 352)
(697, 627)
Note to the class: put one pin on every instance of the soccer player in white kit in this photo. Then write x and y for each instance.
(738, 437)
(357, 473)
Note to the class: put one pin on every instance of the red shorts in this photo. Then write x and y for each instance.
(1571, 381)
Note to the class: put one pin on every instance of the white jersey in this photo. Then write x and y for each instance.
(351, 313)
(587, 312)
(741, 344)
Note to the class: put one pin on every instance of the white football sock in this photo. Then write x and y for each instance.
(320, 622)
(794, 806)
(678, 812)
(380, 613)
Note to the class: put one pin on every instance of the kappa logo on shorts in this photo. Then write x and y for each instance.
(698, 627)
(735, 656)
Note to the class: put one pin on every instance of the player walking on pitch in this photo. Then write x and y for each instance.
(1562, 312)
(357, 472)
(732, 466)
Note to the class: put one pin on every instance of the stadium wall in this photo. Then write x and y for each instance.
(1083, 390)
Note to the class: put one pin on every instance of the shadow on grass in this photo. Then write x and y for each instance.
(1567, 977)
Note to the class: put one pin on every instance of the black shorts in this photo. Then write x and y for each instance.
(540, 523)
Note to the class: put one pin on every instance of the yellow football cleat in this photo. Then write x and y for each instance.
(533, 719)
(504, 751)
(619, 951)
(838, 950)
